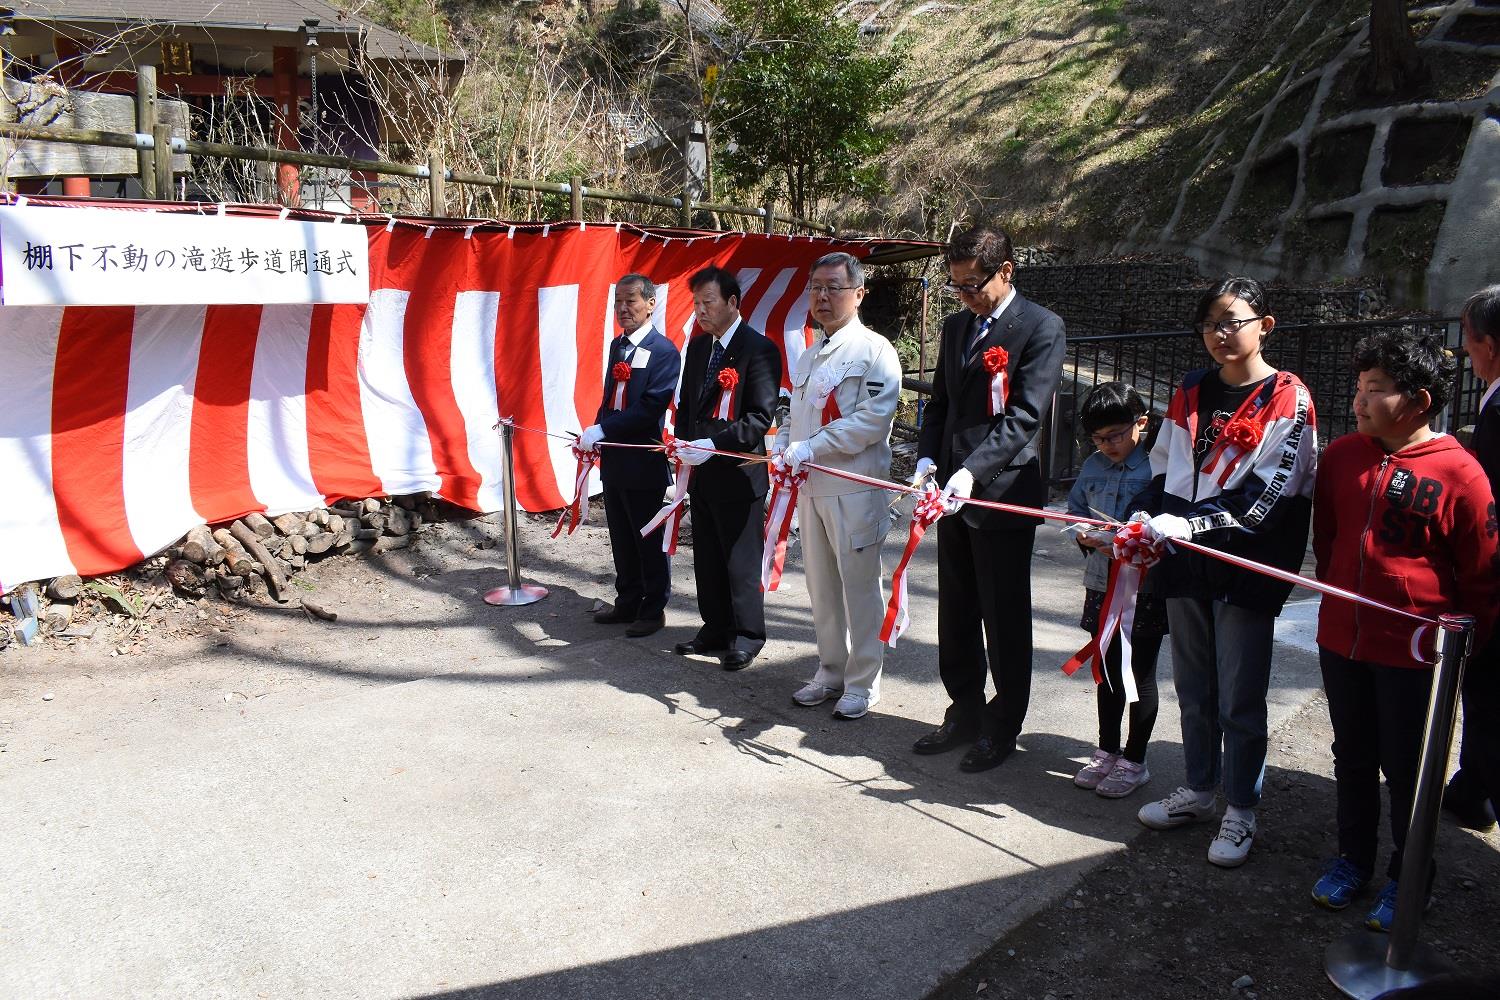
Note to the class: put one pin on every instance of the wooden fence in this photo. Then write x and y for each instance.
(157, 147)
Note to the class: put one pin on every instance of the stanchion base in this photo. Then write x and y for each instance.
(1356, 965)
(511, 597)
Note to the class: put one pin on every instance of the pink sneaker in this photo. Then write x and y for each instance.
(1125, 778)
(1096, 770)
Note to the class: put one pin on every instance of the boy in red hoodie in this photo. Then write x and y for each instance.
(1402, 514)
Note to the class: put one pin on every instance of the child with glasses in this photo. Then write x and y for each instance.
(1114, 417)
(1232, 469)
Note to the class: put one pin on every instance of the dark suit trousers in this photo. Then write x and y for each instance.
(643, 576)
(727, 547)
(984, 579)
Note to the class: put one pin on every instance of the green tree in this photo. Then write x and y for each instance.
(795, 111)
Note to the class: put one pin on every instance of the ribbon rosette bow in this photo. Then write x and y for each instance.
(578, 511)
(996, 360)
(728, 379)
(621, 374)
(779, 508)
(1136, 548)
(1137, 544)
(1239, 437)
(930, 506)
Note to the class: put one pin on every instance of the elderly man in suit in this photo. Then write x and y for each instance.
(844, 394)
(730, 378)
(999, 362)
(633, 411)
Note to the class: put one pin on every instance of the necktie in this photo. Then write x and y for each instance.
(623, 351)
(715, 362)
(980, 332)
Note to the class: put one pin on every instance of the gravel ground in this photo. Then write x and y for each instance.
(1161, 922)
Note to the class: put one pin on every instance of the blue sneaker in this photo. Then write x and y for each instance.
(1340, 882)
(1383, 914)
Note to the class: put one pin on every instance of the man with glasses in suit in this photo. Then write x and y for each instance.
(634, 411)
(999, 362)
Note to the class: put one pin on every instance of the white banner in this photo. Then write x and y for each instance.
(100, 257)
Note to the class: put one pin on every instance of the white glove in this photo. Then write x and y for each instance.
(796, 453)
(1171, 527)
(693, 452)
(960, 484)
(925, 468)
(590, 438)
(778, 461)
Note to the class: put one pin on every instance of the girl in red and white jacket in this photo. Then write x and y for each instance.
(1402, 515)
(1233, 469)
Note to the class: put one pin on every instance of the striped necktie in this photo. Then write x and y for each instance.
(715, 362)
(981, 330)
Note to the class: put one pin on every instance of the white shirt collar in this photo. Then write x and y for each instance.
(1004, 303)
(641, 333)
(853, 324)
(1485, 399)
(728, 334)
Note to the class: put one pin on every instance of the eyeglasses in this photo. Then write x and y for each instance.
(969, 287)
(829, 290)
(1228, 327)
(1105, 440)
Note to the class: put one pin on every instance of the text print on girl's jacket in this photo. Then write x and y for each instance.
(1250, 494)
(1415, 530)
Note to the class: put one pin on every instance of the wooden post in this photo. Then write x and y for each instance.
(686, 219)
(437, 184)
(145, 123)
(770, 219)
(575, 196)
(162, 161)
(284, 85)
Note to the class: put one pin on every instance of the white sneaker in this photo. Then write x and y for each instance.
(814, 694)
(1178, 809)
(1231, 845)
(852, 706)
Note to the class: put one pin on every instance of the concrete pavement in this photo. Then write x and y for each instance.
(432, 797)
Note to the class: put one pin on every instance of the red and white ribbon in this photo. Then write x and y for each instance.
(1116, 616)
(931, 505)
(621, 374)
(728, 379)
(996, 360)
(831, 411)
(784, 488)
(578, 510)
(671, 514)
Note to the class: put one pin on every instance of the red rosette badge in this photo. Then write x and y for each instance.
(728, 380)
(621, 374)
(1245, 434)
(996, 360)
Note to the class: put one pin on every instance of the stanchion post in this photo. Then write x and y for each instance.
(1365, 965)
(514, 593)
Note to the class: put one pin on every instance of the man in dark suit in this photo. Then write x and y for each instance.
(984, 556)
(633, 411)
(728, 413)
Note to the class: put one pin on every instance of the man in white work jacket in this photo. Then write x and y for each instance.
(844, 392)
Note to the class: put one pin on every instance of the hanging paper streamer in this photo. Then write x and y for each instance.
(930, 506)
(671, 514)
(578, 510)
(784, 488)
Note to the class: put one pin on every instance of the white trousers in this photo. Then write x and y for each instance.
(841, 538)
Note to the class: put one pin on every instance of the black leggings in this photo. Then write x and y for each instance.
(1143, 653)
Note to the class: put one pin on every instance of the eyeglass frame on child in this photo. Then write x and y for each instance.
(1105, 440)
(1228, 327)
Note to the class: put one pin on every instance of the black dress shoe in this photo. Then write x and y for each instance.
(947, 736)
(737, 659)
(988, 752)
(645, 626)
(613, 616)
(696, 647)
(1468, 810)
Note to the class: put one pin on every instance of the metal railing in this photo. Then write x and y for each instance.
(1320, 354)
(159, 146)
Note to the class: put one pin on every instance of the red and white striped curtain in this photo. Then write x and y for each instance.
(121, 427)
